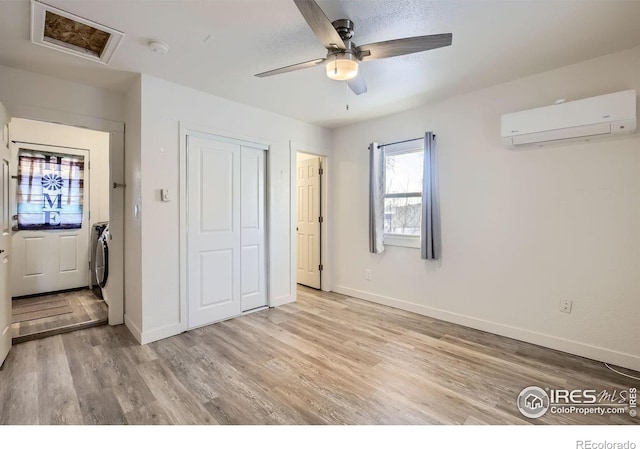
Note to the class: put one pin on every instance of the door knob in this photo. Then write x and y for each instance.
(1, 251)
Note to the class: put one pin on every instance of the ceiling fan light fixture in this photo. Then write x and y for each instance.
(342, 67)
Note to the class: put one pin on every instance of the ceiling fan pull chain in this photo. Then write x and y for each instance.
(346, 94)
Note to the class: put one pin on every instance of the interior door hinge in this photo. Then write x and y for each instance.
(321, 171)
(320, 267)
(321, 219)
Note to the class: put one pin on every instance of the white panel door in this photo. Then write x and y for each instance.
(213, 231)
(252, 219)
(5, 238)
(52, 260)
(308, 184)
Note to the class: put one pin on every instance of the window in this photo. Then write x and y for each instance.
(50, 190)
(403, 195)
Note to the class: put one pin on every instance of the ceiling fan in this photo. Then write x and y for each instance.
(343, 56)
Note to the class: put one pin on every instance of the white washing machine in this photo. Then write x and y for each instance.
(102, 255)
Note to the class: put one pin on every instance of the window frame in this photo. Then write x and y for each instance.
(403, 240)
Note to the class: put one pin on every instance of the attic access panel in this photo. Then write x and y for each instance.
(66, 32)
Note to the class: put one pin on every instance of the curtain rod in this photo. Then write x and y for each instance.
(402, 141)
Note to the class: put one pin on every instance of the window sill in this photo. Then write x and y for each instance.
(402, 240)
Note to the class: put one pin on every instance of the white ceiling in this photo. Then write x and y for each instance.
(493, 42)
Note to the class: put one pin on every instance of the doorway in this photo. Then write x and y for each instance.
(309, 219)
(59, 194)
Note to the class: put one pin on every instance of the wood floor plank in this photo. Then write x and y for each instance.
(57, 399)
(148, 414)
(326, 359)
(178, 403)
(94, 386)
(129, 388)
(232, 376)
(19, 405)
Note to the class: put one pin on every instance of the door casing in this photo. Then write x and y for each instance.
(115, 287)
(327, 278)
(309, 224)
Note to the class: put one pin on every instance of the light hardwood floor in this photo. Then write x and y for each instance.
(87, 310)
(327, 359)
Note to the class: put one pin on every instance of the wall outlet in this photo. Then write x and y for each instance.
(368, 275)
(565, 305)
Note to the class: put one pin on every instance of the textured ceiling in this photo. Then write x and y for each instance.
(217, 46)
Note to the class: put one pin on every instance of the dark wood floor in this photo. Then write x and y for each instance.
(328, 359)
(86, 306)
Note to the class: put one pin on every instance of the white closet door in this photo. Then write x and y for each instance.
(254, 285)
(213, 231)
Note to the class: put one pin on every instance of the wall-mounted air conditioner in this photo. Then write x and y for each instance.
(605, 115)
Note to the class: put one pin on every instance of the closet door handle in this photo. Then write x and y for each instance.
(1, 251)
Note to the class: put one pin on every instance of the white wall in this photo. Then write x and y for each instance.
(31, 95)
(164, 107)
(132, 220)
(520, 230)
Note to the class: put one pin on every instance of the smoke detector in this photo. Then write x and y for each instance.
(159, 47)
(54, 28)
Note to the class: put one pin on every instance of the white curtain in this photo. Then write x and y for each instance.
(430, 247)
(376, 198)
(50, 190)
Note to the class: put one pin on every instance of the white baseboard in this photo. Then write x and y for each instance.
(162, 332)
(282, 300)
(561, 344)
(153, 335)
(137, 334)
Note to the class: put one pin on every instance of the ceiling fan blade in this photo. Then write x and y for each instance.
(398, 47)
(358, 85)
(320, 24)
(291, 68)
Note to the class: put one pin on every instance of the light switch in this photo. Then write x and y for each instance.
(164, 194)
